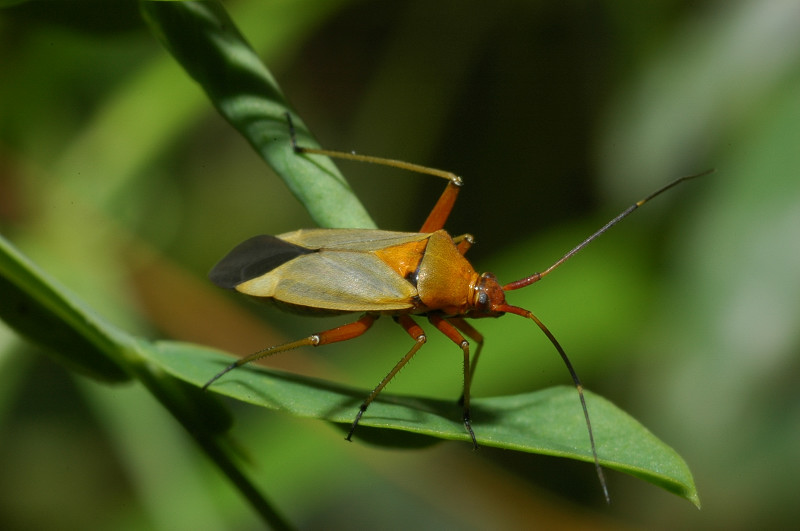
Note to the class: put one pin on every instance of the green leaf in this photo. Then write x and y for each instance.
(49, 315)
(204, 40)
(44, 312)
(547, 422)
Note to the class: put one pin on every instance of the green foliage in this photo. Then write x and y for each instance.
(120, 186)
(206, 42)
(42, 311)
(548, 422)
(46, 315)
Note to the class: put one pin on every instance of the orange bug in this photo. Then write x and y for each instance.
(377, 272)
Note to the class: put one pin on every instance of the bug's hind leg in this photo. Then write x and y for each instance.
(416, 332)
(341, 333)
(463, 243)
(440, 212)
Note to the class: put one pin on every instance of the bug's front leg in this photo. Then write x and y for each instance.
(469, 331)
(448, 329)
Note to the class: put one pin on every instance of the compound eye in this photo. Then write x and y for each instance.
(482, 300)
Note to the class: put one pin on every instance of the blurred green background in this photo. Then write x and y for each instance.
(119, 179)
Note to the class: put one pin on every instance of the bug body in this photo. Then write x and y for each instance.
(331, 271)
(377, 272)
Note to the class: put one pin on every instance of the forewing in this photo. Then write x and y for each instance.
(334, 280)
(254, 258)
(350, 239)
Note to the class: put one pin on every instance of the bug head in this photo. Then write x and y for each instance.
(488, 298)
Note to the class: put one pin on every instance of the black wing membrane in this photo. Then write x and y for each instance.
(252, 258)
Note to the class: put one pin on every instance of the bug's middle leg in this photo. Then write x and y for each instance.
(416, 332)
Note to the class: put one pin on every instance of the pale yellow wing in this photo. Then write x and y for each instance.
(334, 280)
(350, 239)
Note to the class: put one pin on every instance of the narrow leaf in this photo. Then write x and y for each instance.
(204, 40)
(39, 309)
(49, 315)
(547, 422)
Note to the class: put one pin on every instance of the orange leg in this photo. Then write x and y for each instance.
(451, 332)
(463, 243)
(416, 332)
(341, 333)
(441, 210)
(345, 332)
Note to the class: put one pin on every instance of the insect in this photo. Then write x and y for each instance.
(400, 274)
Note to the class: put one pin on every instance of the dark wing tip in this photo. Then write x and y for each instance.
(252, 258)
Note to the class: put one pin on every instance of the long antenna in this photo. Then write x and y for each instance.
(578, 385)
(527, 281)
